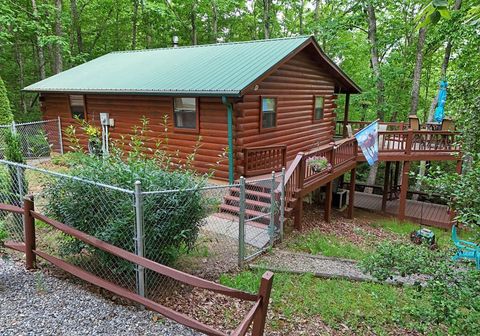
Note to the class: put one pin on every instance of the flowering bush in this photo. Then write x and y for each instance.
(318, 163)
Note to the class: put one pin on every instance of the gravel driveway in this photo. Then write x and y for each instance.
(33, 303)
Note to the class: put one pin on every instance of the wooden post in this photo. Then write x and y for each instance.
(29, 232)
(386, 184)
(297, 224)
(328, 201)
(459, 167)
(263, 293)
(351, 193)
(345, 115)
(395, 177)
(404, 190)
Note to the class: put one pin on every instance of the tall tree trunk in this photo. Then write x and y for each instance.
(374, 59)
(266, 18)
(316, 16)
(38, 46)
(193, 22)
(57, 50)
(300, 17)
(417, 72)
(214, 21)
(21, 70)
(76, 25)
(134, 23)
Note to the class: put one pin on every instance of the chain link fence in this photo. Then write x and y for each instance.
(203, 231)
(38, 139)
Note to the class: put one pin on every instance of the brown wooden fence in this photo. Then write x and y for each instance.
(256, 315)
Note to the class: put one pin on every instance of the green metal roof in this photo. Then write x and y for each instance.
(223, 69)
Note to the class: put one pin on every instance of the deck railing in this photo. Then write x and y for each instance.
(256, 316)
(301, 175)
(263, 160)
(358, 125)
(418, 142)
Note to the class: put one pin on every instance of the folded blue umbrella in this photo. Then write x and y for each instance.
(442, 98)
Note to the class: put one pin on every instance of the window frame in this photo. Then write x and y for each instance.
(72, 115)
(197, 117)
(315, 120)
(267, 129)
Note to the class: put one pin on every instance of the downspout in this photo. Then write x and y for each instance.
(230, 139)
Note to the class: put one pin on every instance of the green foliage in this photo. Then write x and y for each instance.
(13, 147)
(357, 305)
(3, 233)
(317, 242)
(450, 294)
(6, 116)
(171, 220)
(460, 192)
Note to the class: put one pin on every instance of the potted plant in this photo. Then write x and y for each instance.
(318, 163)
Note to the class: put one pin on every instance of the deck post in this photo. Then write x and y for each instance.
(29, 232)
(345, 115)
(328, 202)
(404, 190)
(395, 178)
(351, 193)
(386, 184)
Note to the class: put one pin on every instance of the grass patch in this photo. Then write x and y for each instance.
(356, 304)
(317, 242)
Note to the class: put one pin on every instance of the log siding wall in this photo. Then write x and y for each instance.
(295, 85)
(127, 111)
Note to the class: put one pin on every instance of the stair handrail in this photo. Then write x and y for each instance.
(290, 170)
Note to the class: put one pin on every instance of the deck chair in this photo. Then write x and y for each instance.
(349, 131)
(465, 249)
(448, 124)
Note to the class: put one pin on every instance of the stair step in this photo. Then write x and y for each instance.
(252, 192)
(250, 213)
(248, 201)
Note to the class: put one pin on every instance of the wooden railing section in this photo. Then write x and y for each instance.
(263, 160)
(256, 315)
(418, 143)
(300, 176)
(358, 125)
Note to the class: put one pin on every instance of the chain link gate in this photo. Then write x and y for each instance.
(38, 139)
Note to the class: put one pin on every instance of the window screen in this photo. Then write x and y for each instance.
(319, 106)
(77, 106)
(185, 113)
(269, 112)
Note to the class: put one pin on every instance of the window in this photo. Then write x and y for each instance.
(318, 112)
(77, 106)
(269, 112)
(185, 113)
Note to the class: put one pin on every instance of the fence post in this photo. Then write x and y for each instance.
(264, 294)
(29, 232)
(241, 224)
(20, 184)
(139, 245)
(60, 139)
(282, 203)
(14, 127)
(273, 207)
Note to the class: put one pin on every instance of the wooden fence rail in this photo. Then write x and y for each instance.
(257, 314)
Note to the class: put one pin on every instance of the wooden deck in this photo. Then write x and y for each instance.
(420, 212)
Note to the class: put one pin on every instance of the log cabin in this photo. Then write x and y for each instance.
(261, 102)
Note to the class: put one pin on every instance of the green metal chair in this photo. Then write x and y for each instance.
(465, 249)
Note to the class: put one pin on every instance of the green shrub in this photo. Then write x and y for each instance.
(6, 116)
(449, 296)
(171, 220)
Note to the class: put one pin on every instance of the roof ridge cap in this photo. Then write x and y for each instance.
(212, 44)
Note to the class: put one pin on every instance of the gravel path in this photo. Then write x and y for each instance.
(321, 266)
(33, 303)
